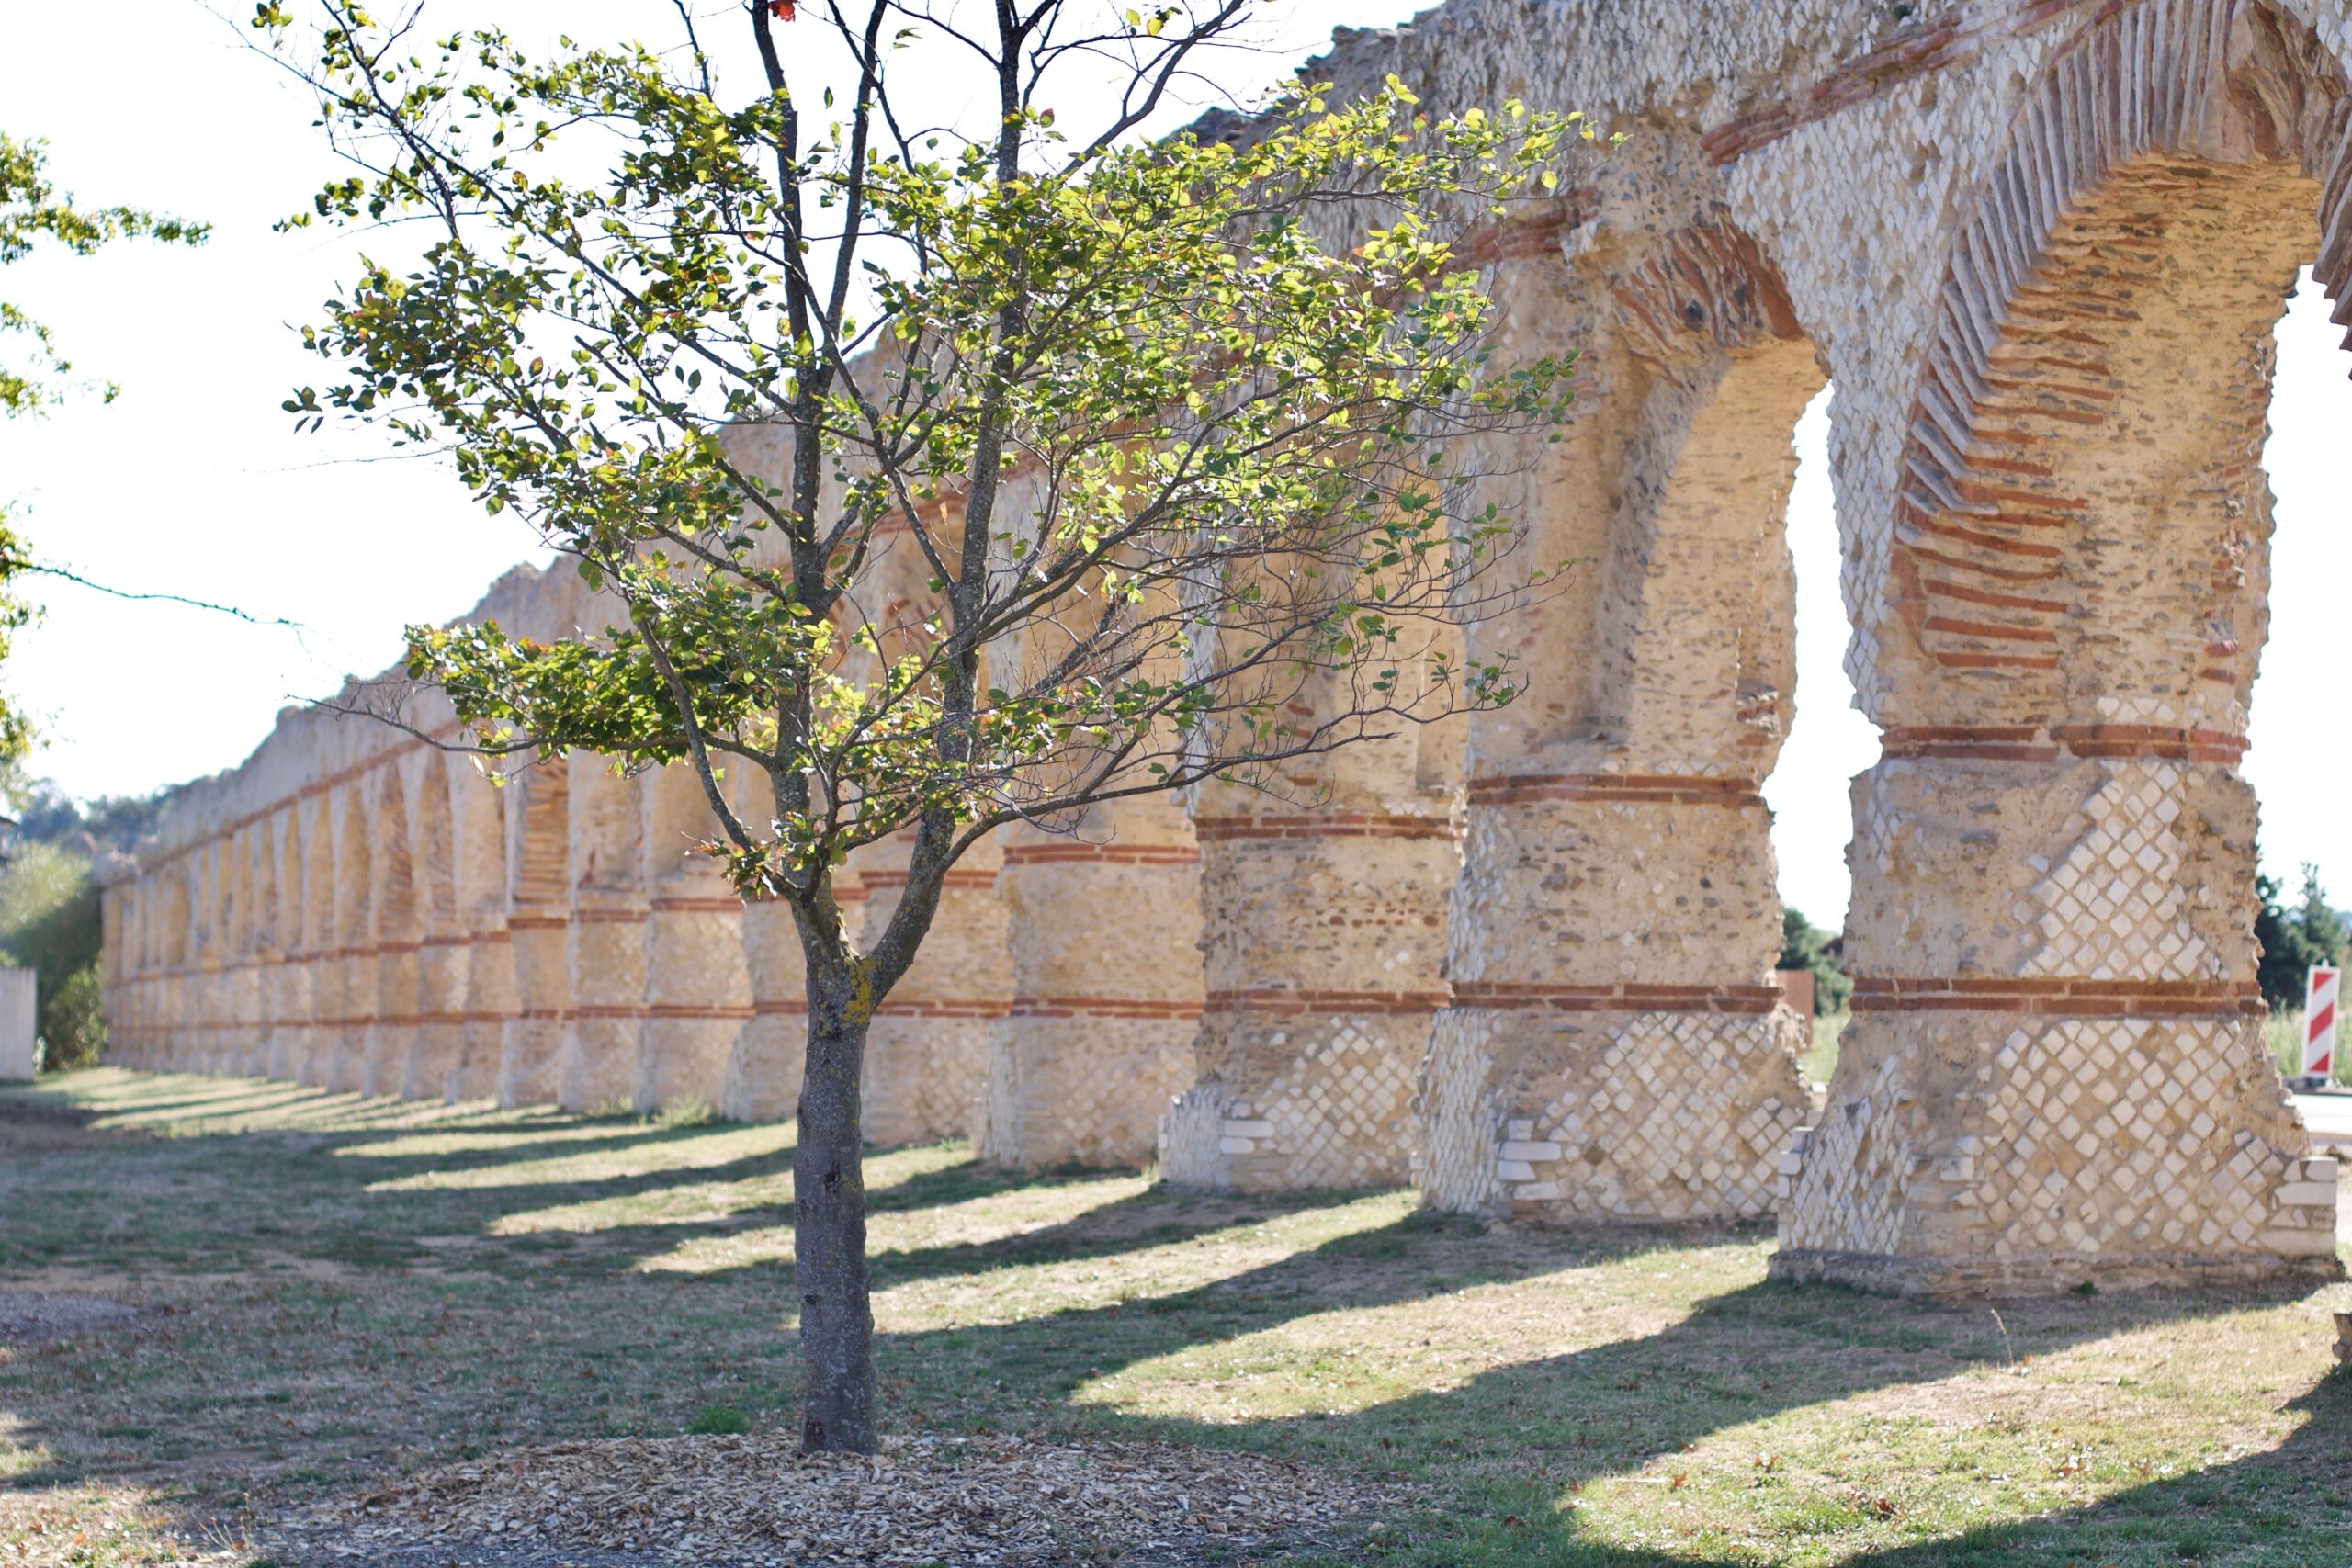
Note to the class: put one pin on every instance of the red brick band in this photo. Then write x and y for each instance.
(624, 1010)
(543, 1015)
(697, 906)
(875, 881)
(2059, 997)
(1102, 854)
(774, 1005)
(942, 1010)
(1917, 48)
(1271, 999)
(595, 917)
(536, 922)
(457, 940)
(1647, 789)
(1505, 997)
(387, 1021)
(2052, 743)
(735, 1013)
(1335, 825)
(1105, 1007)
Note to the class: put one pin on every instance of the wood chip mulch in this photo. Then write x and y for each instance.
(755, 1500)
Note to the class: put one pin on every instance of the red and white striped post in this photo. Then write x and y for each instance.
(2319, 1020)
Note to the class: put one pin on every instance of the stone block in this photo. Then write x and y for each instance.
(19, 1026)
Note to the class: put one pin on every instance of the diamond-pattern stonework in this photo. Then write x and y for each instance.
(1620, 1116)
(1086, 1090)
(2128, 1150)
(1668, 1116)
(2116, 905)
(1331, 1107)
(1460, 1109)
(2042, 247)
(923, 1076)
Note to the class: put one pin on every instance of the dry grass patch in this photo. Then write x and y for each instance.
(341, 1295)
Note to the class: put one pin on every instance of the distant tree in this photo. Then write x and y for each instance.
(1805, 946)
(46, 814)
(49, 924)
(2293, 941)
(32, 211)
(1176, 430)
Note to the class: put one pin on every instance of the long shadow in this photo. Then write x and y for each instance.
(1601, 1410)
(1576, 1417)
(2292, 1505)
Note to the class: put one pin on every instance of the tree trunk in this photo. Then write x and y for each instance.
(837, 1398)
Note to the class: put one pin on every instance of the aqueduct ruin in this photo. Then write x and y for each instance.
(2038, 246)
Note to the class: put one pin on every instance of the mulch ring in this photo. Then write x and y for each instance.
(756, 1500)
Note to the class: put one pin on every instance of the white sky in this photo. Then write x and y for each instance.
(193, 482)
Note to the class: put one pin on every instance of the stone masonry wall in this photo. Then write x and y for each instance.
(2038, 246)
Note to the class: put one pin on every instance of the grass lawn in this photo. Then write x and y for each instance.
(348, 1291)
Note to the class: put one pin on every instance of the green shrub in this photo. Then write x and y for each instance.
(721, 1421)
(1805, 946)
(72, 1029)
(687, 1110)
(2292, 940)
(49, 924)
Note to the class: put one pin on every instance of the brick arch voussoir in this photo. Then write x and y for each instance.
(1706, 287)
(2142, 101)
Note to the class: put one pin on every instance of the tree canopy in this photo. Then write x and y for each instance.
(945, 478)
(34, 213)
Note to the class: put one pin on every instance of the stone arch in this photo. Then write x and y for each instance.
(2173, 132)
(399, 932)
(397, 913)
(246, 1049)
(539, 915)
(354, 929)
(174, 913)
(437, 1041)
(2057, 1071)
(1617, 904)
(289, 993)
(696, 992)
(478, 812)
(434, 840)
(322, 962)
(605, 1028)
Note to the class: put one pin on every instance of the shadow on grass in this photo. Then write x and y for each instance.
(1506, 1443)
(2300, 1492)
(514, 1345)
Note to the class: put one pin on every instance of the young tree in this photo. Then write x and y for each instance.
(1168, 437)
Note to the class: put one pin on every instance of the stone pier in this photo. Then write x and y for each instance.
(1106, 934)
(2038, 250)
(1324, 930)
(927, 1049)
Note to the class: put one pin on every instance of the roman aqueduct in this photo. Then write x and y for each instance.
(2040, 246)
